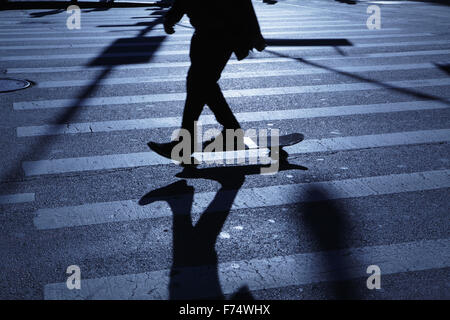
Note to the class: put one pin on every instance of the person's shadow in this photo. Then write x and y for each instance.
(194, 273)
(330, 226)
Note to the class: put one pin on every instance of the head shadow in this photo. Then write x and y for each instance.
(328, 225)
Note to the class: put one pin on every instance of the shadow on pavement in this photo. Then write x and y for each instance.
(108, 59)
(308, 42)
(328, 224)
(443, 67)
(194, 273)
(352, 2)
(361, 78)
(45, 13)
(28, 5)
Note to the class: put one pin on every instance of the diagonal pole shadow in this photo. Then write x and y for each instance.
(107, 60)
(45, 13)
(413, 93)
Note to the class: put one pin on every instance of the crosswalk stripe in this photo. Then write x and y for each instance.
(259, 274)
(88, 27)
(125, 28)
(278, 195)
(271, 115)
(271, 25)
(168, 41)
(238, 93)
(132, 160)
(370, 141)
(188, 35)
(155, 65)
(186, 42)
(409, 53)
(232, 61)
(238, 75)
(126, 31)
(121, 18)
(116, 23)
(16, 198)
(186, 52)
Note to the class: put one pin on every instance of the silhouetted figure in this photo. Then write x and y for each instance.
(221, 28)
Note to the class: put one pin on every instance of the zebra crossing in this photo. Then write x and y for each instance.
(382, 99)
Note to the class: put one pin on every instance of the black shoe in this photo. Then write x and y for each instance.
(165, 150)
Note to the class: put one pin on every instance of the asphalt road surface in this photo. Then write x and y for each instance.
(369, 186)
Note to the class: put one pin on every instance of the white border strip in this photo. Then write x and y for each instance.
(132, 160)
(260, 274)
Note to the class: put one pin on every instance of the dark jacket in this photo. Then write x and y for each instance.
(233, 19)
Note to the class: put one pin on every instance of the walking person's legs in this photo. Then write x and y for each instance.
(209, 54)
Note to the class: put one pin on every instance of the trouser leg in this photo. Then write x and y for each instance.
(209, 56)
(219, 106)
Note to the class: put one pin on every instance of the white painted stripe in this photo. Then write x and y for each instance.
(263, 25)
(263, 274)
(128, 210)
(334, 10)
(184, 26)
(271, 115)
(119, 23)
(98, 45)
(372, 36)
(165, 97)
(125, 54)
(115, 14)
(16, 198)
(186, 52)
(312, 24)
(181, 28)
(125, 16)
(186, 63)
(106, 162)
(153, 65)
(129, 21)
(132, 160)
(125, 19)
(370, 141)
(186, 42)
(342, 33)
(409, 53)
(238, 75)
(401, 43)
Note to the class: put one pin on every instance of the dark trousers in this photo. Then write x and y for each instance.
(209, 55)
